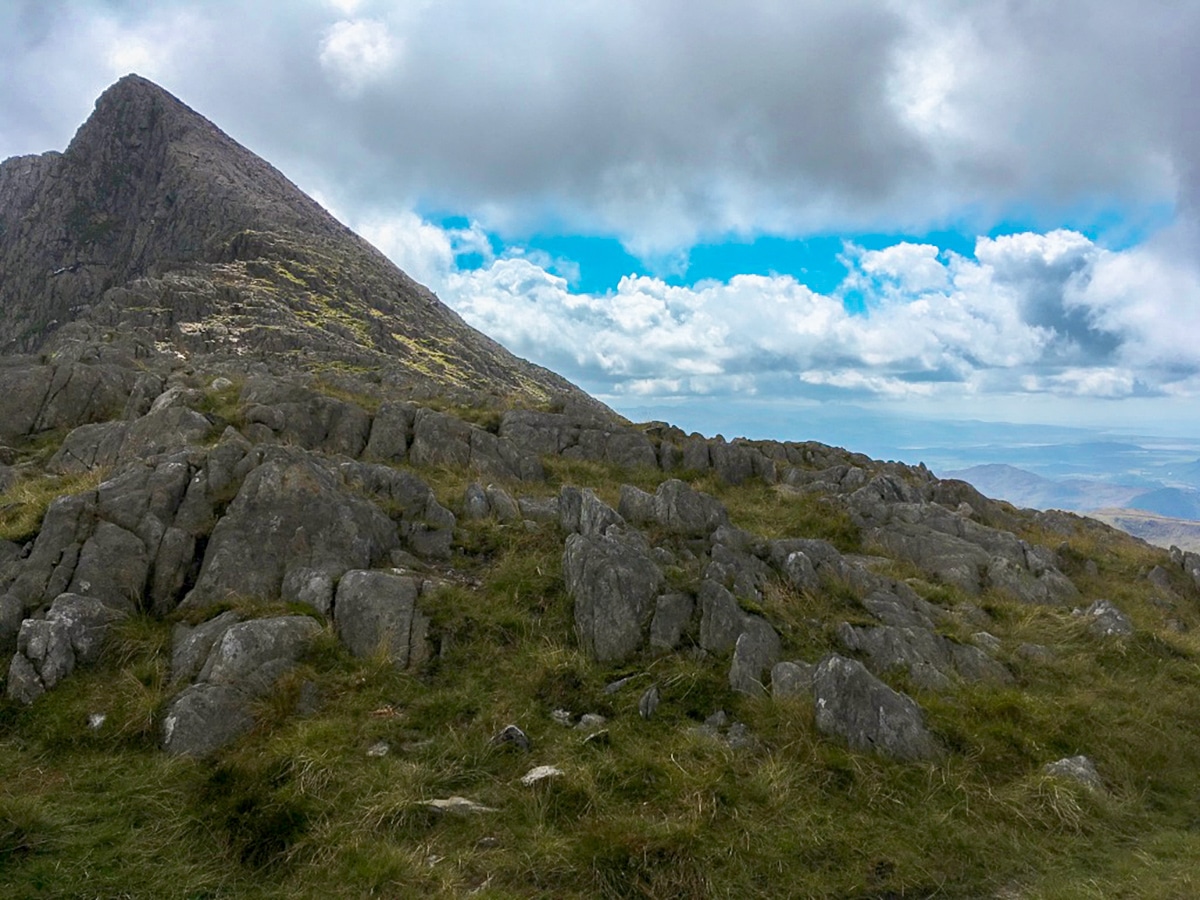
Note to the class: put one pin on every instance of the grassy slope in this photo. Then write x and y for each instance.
(298, 808)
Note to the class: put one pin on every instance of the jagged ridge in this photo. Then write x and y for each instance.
(155, 234)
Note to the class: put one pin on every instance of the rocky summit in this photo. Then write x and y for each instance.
(309, 589)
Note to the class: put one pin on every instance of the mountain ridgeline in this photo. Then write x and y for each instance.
(309, 589)
(156, 233)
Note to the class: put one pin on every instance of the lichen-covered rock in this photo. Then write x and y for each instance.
(854, 705)
(305, 417)
(190, 645)
(376, 611)
(792, 679)
(50, 649)
(1105, 620)
(672, 615)
(721, 619)
(582, 512)
(291, 513)
(681, 510)
(1079, 769)
(441, 439)
(391, 432)
(756, 651)
(242, 665)
(615, 584)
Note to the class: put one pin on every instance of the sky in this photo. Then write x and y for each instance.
(788, 218)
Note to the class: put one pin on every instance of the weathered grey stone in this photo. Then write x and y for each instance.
(203, 718)
(670, 456)
(1105, 620)
(695, 454)
(172, 564)
(756, 651)
(929, 658)
(905, 609)
(304, 417)
(440, 439)
(538, 774)
(47, 571)
(475, 502)
(38, 398)
(630, 449)
(12, 613)
(986, 641)
(112, 563)
(512, 736)
(190, 645)
(792, 679)
(251, 655)
(89, 447)
(374, 613)
(164, 430)
(648, 702)
(502, 504)
(308, 586)
(800, 572)
(23, 682)
(684, 511)
(672, 614)
(391, 432)
(539, 509)
(742, 573)
(854, 705)
(636, 506)
(952, 559)
(1051, 588)
(733, 463)
(425, 525)
(1160, 578)
(543, 434)
(71, 635)
(47, 647)
(1079, 769)
(290, 514)
(614, 582)
(721, 619)
(582, 512)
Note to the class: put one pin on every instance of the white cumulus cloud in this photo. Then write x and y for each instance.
(356, 52)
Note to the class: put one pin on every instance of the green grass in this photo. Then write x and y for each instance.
(24, 505)
(297, 808)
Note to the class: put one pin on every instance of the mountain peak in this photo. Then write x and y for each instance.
(156, 229)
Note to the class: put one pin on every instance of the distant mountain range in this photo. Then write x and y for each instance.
(1161, 516)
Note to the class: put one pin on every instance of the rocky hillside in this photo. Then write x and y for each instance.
(156, 240)
(292, 616)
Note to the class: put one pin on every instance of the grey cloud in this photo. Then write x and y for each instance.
(665, 121)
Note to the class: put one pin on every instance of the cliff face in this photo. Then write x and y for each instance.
(156, 232)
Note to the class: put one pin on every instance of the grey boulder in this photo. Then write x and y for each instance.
(615, 584)
(376, 612)
(854, 705)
